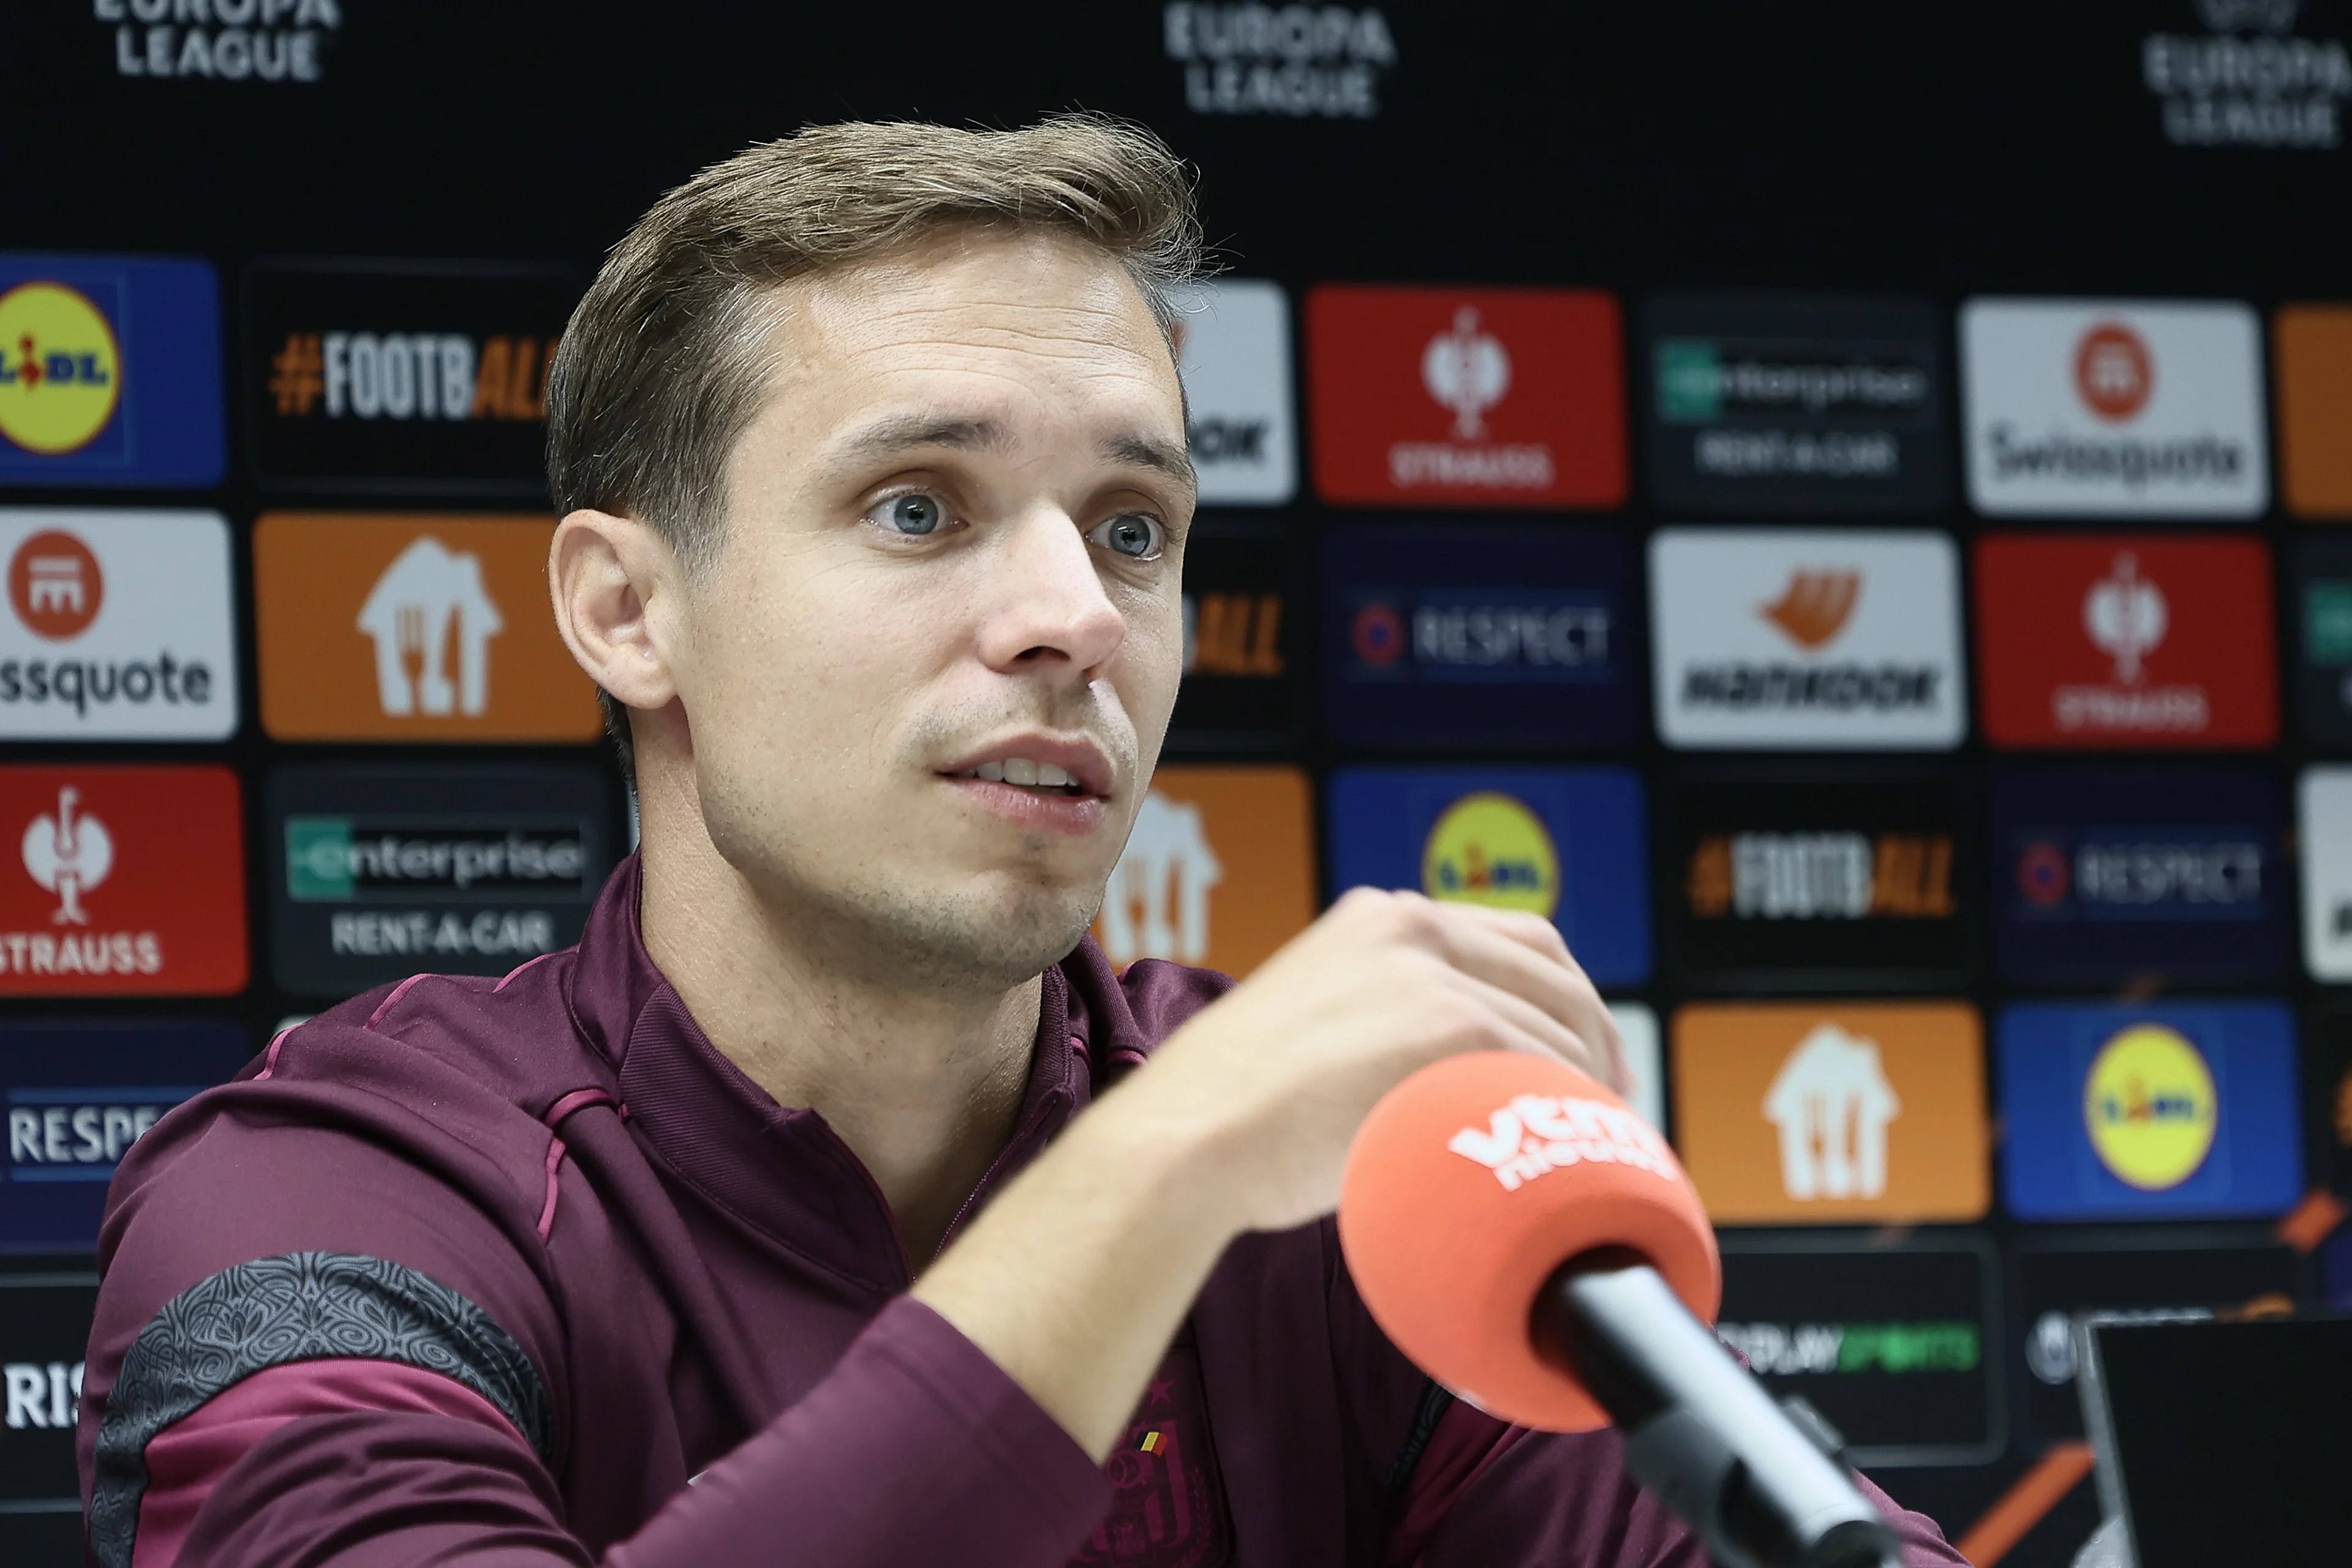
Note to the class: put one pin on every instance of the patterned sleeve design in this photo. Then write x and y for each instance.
(297, 1306)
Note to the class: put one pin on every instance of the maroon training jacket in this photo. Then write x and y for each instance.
(526, 1272)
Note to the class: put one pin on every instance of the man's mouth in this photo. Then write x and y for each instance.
(1045, 778)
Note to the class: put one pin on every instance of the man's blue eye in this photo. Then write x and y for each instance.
(914, 514)
(1134, 535)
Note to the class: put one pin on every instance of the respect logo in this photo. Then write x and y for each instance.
(60, 368)
(2149, 1106)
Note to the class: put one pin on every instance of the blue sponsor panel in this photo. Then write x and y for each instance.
(2105, 875)
(1502, 635)
(2173, 1110)
(1569, 844)
(76, 1095)
(110, 371)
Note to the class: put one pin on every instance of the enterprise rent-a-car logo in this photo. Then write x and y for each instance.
(471, 871)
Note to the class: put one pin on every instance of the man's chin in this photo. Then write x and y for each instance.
(984, 935)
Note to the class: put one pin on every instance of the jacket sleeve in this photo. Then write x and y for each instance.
(309, 1349)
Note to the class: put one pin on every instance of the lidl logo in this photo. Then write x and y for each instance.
(1794, 403)
(60, 371)
(2126, 641)
(2114, 407)
(1504, 634)
(1802, 1113)
(126, 882)
(119, 625)
(1218, 872)
(1491, 849)
(1569, 844)
(75, 1096)
(2149, 1106)
(411, 628)
(2176, 1111)
(1467, 397)
(1772, 639)
(110, 371)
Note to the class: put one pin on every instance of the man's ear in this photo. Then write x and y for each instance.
(615, 586)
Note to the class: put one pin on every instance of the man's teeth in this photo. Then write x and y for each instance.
(1022, 771)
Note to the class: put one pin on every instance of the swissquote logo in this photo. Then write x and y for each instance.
(1485, 397)
(2133, 641)
(1232, 346)
(2076, 407)
(1769, 639)
(1537, 1134)
(127, 880)
(1218, 872)
(397, 628)
(119, 625)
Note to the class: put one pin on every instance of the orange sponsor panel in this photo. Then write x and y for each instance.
(376, 627)
(2313, 366)
(1830, 1114)
(1219, 871)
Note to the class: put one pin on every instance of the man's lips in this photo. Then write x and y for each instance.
(1073, 768)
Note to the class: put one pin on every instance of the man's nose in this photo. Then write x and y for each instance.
(1045, 609)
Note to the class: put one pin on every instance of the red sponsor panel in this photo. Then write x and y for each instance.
(1465, 397)
(2115, 641)
(118, 882)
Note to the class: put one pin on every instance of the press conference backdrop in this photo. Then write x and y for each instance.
(1848, 510)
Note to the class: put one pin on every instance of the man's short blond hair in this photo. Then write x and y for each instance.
(666, 359)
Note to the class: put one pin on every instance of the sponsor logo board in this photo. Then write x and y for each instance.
(76, 1095)
(377, 872)
(2152, 1274)
(1466, 398)
(274, 40)
(1502, 635)
(408, 377)
(110, 371)
(1773, 639)
(2319, 603)
(1895, 1345)
(2250, 80)
(1218, 872)
(1568, 844)
(2173, 1110)
(1782, 874)
(1246, 654)
(1832, 1113)
(45, 1319)
(1763, 403)
(2119, 641)
(412, 627)
(2323, 823)
(2311, 364)
(2328, 1090)
(2114, 408)
(1233, 348)
(120, 626)
(1637, 1032)
(121, 881)
(2111, 875)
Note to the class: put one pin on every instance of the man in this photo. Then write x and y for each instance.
(834, 1201)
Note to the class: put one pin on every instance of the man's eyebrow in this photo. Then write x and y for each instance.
(1140, 451)
(903, 432)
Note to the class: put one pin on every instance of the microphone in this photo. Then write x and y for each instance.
(1533, 1245)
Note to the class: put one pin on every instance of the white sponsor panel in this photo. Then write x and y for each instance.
(2114, 408)
(1773, 639)
(1637, 1028)
(116, 626)
(2323, 807)
(1234, 353)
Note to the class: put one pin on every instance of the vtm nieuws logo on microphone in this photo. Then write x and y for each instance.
(1538, 1133)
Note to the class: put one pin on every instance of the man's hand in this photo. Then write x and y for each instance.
(1075, 1278)
(1279, 1075)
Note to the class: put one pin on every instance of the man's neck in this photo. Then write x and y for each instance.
(923, 1085)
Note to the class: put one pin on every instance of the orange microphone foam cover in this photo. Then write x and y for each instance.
(1476, 1178)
